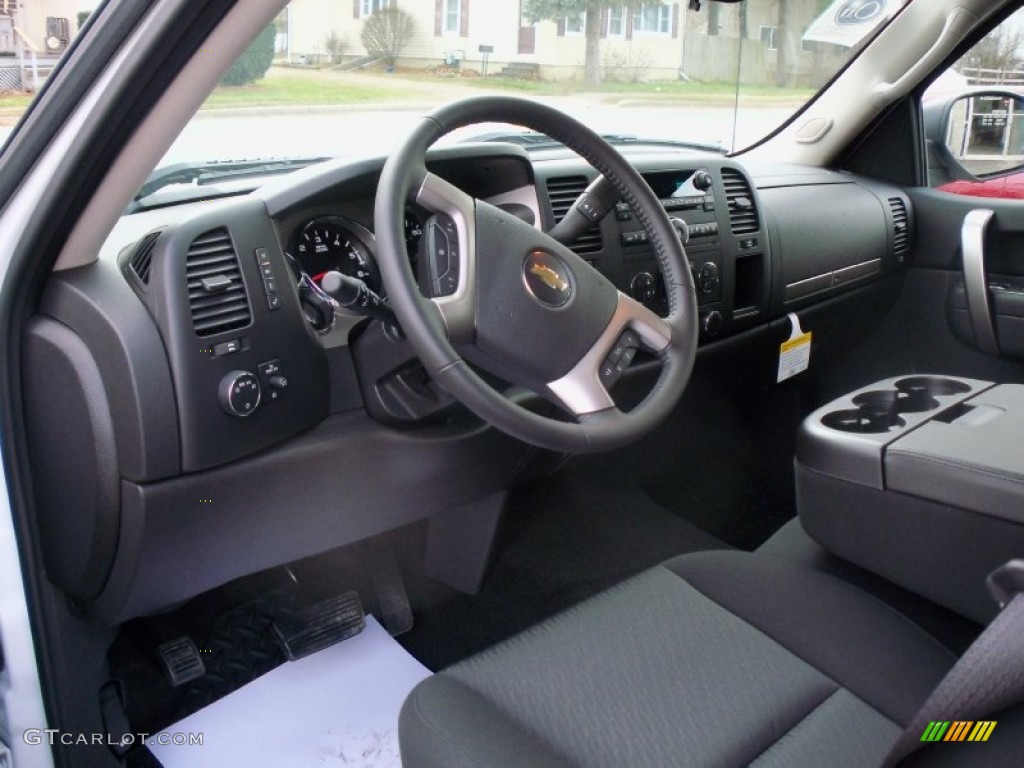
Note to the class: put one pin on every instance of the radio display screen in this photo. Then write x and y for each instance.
(670, 185)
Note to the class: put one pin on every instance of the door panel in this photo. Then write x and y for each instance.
(984, 301)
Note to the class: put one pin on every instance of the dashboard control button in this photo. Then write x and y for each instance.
(239, 393)
(270, 284)
(708, 278)
(227, 347)
(273, 302)
(267, 271)
(711, 323)
(262, 257)
(272, 379)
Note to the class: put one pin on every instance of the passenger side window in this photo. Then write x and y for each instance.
(974, 118)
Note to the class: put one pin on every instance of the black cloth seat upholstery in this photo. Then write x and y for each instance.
(712, 659)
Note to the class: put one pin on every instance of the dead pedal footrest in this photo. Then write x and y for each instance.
(320, 626)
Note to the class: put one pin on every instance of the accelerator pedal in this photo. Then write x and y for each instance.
(320, 626)
(181, 660)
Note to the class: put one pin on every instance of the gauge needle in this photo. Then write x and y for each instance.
(319, 277)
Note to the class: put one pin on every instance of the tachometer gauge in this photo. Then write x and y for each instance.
(333, 243)
(413, 233)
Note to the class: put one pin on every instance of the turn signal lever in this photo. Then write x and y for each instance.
(590, 207)
(356, 296)
(316, 305)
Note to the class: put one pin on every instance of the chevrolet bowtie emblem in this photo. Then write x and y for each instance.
(551, 278)
(548, 278)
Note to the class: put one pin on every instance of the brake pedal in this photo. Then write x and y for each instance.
(181, 660)
(320, 626)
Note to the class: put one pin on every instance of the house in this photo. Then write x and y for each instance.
(33, 35)
(45, 27)
(706, 45)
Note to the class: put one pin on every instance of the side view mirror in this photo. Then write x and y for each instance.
(974, 136)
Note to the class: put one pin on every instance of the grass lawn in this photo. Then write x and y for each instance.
(14, 100)
(280, 88)
(669, 90)
(299, 87)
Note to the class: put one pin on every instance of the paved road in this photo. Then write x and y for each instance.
(334, 132)
(348, 131)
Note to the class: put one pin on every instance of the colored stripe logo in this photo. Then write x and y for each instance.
(958, 730)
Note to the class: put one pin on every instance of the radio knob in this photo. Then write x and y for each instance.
(239, 393)
(708, 278)
(643, 287)
(702, 180)
(682, 230)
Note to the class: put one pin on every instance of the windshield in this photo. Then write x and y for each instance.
(345, 78)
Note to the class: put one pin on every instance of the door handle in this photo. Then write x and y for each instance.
(972, 246)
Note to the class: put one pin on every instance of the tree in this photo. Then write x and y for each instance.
(556, 10)
(782, 45)
(255, 61)
(387, 32)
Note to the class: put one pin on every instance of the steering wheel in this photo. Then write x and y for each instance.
(518, 304)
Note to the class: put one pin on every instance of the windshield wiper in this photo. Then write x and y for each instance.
(199, 174)
(535, 140)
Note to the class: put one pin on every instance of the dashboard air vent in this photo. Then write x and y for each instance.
(742, 209)
(900, 228)
(562, 192)
(216, 293)
(142, 256)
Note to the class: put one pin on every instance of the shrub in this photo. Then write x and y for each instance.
(386, 33)
(334, 44)
(255, 61)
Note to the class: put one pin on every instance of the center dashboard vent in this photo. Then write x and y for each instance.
(216, 292)
(743, 216)
(562, 192)
(900, 228)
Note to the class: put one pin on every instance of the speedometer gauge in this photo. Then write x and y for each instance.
(331, 243)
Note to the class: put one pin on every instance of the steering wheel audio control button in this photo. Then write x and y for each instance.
(239, 393)
(443, 255)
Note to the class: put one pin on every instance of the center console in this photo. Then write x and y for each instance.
(919, 479)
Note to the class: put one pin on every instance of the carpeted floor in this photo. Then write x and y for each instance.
(565, 539)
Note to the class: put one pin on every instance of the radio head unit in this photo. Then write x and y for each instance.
(679, 190)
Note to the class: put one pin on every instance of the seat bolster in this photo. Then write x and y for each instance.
(855, 639)
(446, 723)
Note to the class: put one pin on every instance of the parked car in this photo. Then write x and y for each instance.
(515, 384)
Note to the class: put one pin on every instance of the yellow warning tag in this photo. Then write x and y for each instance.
(794, 353)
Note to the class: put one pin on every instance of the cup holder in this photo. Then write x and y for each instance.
(932, 386)
(879, 410)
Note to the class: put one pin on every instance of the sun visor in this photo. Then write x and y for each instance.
(847, 22)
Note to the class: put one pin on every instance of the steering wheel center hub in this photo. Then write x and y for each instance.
(548, 279)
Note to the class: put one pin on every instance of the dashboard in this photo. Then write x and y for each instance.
(185, 356)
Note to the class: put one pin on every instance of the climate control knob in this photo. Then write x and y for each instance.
(239, 393)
